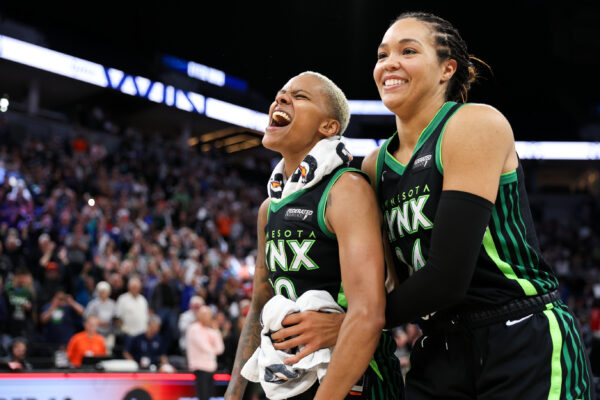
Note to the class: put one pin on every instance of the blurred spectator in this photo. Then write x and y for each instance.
(147, 348)
(77, 244)
(132, 310)
(17, 358)
(105, 309)
(87, 343)
(117, 285)
(84, 289)
(19, 293)
(42, 255)
(402, 349)
(6, 265)
(164, 303)
(4, 337)
(53, 280)
(13, 249)
(188, 317)
(60, 318)
(204, 343)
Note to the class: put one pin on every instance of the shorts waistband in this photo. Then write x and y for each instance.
(514, 309)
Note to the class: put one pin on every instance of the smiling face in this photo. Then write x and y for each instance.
(408, 70)
(300, 116)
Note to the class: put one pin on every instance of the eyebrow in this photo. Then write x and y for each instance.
(402, 41)
(295, 91)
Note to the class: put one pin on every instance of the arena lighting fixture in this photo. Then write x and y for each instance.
(204, 73)
(526, 150)
(207, 137)
(99, 75)
(243, 145)
(4, 104)
(236, 115)
(233, 140)
(368, 107)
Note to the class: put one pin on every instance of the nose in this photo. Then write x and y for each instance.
(282, 98)
(391, 64)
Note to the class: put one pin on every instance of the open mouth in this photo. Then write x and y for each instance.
(280, 118)
(393, 82)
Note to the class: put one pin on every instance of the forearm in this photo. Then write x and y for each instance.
(248, 342)
(78, 308)
(460, 224)
(357, 341)
(46, 315)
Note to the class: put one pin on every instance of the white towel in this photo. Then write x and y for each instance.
(278, 380)
(322, 159)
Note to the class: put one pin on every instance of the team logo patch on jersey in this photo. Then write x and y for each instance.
(298, 214)
(422, 163)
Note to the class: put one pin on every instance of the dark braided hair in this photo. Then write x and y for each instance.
(450, 45)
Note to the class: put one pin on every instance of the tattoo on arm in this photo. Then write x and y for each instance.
(250, 336)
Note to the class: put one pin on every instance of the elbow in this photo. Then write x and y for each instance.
(372, 319)
(455, 294)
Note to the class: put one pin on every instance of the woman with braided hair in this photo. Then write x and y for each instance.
(451, 190)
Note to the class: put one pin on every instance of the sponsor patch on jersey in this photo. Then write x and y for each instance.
(298, 214)
(422, 163)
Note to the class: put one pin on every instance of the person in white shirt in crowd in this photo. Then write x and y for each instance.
(105, 308)
(132, 310)
(187, 317)
(204, 344)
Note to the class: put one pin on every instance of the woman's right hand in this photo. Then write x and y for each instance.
(311, 329)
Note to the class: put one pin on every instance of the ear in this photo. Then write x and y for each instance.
(329, 127)
(448, 69)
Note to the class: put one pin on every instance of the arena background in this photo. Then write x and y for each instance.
(208, 173)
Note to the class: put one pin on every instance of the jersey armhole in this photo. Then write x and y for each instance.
(325, 195)
(379, 165)
(438, 146)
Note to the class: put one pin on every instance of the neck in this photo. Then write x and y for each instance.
(293, 160)
(291, 164)
(411, 122)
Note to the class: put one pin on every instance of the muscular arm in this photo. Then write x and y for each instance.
(362, 268)
(477, 147)
(262, 292)
(369, 166)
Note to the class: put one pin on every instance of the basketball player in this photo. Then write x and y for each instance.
(320, 230)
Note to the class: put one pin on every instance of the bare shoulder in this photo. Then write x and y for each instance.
(480, 120)
(369, 164)
(351, 181)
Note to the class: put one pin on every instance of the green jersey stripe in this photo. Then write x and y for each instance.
(515, 245)
(520, 242)
(501, 241)
(556, 368)
(526, 247)
(503, 266)
(581, 370)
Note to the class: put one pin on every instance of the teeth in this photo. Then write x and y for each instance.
(391, 82)
(279, 114)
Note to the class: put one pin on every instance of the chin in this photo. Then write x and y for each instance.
(269, 143)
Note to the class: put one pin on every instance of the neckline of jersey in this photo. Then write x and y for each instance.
(425, 134)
